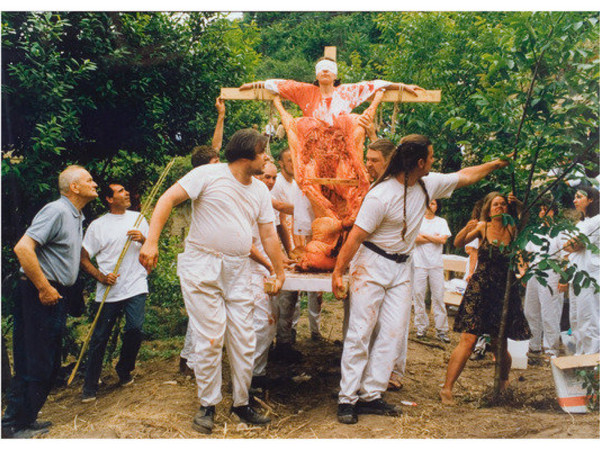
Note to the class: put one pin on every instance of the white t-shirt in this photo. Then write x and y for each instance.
(282, 190)
(224, 210)
(555, 244)
(429, 255)
(303, 212)
(256, 237)
(382, 211)
(473, 244)
(585, 259)
(105, 239)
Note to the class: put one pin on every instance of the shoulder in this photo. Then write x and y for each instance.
(260, 188)
(53, 209)
(435, 178)
(386, 187)
(99, 221)
(207, 171)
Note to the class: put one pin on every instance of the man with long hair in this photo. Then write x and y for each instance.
(382, 239)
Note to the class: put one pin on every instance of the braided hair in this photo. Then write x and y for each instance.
(405, 158)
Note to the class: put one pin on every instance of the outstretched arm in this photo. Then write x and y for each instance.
(171, 198)
(412, 88)
(471, 175)
(252, 85)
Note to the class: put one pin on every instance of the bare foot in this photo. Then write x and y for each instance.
(446, 397)
(503, 385)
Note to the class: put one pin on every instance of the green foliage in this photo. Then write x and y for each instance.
(115, 92)
(165, 310)
(589, 378)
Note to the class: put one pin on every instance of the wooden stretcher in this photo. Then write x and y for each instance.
(306, 282)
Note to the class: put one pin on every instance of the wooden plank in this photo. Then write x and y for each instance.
(389, 96)
(455, 263)
(572, 362)
(330, 52)
(452, 298)
(405, 97)
(306, 281)
(347, 182)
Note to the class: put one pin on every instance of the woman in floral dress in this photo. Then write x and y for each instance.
(481, 307)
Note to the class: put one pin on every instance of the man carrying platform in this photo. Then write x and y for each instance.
(214, 268)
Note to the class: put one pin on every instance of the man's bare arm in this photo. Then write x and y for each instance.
(89, 268)
(355, 238)
(270, 243)
(25, 251)
(471, 175)
(283, 207)
(171, 198)
(284, 235)
(257, 256)
(217, 140)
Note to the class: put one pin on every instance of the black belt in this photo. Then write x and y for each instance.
(396, 257)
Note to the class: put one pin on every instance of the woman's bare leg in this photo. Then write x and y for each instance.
(457, 362)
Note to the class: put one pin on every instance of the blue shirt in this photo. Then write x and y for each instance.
(58, 230)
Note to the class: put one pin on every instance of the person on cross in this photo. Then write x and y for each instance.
(327, 143)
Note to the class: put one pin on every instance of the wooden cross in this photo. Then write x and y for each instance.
(397, 96)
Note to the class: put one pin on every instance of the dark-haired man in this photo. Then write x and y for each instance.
(379, 245)
(214, 268)
(201, 155)
(104, 240)
(377, 157)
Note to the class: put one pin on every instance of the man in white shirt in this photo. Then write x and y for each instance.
(266, 309)
(287, 191)
(382, 239)
(429, 271)
(544, 303)
(214, 268)
(104, 239)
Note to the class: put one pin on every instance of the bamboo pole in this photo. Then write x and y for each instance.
(137, 223)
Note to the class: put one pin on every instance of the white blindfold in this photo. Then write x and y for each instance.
(326, 65)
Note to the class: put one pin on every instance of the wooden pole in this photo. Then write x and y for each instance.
(145, 209)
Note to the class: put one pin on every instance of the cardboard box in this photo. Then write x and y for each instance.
(572, 397)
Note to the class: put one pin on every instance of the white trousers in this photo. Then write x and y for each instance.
(380, 301)
(586, 329)
(187, 344)
(433, 277)
(543, 310)
(266, 313)
(218, 298)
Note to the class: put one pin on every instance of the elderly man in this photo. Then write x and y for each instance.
(104, 239)
(215, 279)
(49, 254)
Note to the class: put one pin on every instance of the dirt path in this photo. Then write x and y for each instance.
(161, 402)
